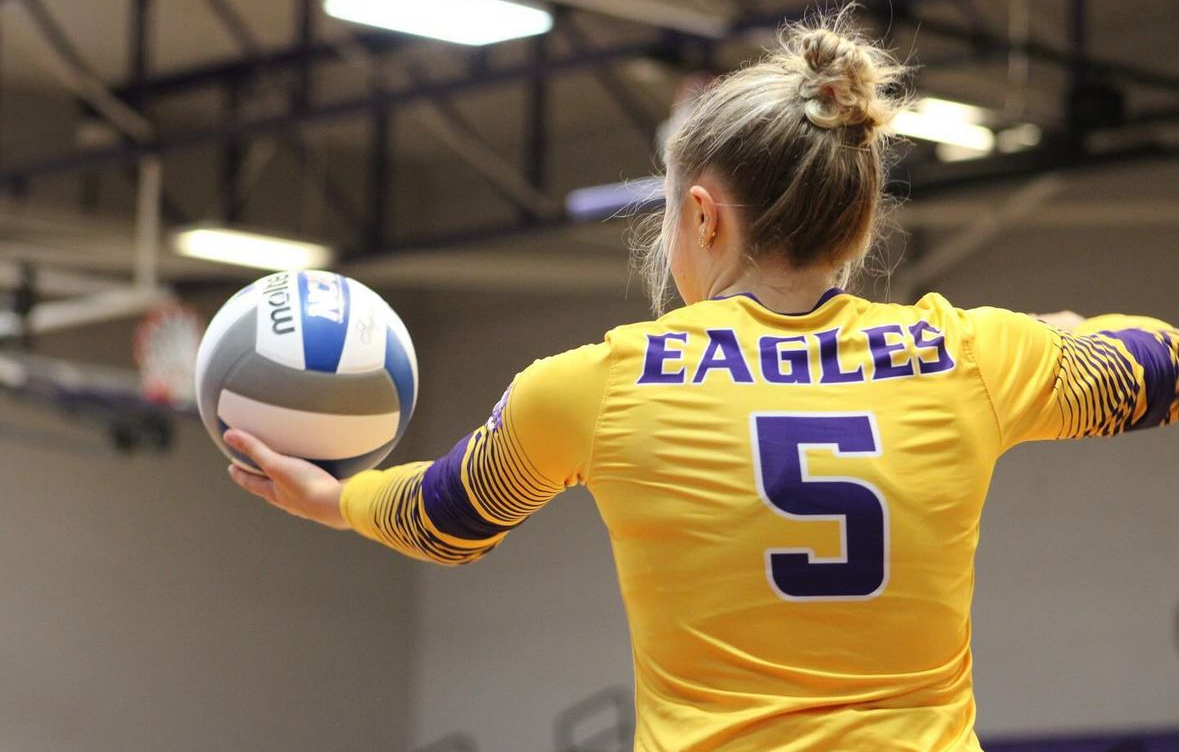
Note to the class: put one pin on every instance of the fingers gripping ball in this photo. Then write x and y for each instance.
(314, 364)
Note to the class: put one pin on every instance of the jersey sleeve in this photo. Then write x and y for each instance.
(1112, 374)
(538, 441)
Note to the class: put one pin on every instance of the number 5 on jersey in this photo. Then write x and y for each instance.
(780, 444)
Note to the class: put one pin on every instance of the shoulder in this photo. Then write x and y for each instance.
(575, 364)
(937, 310)
(967, 323)
(552, 408)
(551, 383)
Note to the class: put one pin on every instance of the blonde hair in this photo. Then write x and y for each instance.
(801, 139)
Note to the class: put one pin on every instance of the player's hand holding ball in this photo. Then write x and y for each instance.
(289, 483)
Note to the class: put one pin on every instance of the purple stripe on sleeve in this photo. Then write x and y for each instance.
(1160, 370)
(448, 505)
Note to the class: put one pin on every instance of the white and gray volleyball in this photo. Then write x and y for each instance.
(315, 364)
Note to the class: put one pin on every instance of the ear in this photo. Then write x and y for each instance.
(706, 217)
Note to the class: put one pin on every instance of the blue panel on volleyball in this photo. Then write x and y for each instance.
(325, 319)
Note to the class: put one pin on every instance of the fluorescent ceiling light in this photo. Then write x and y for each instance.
(251, 249)
(945, 122)
(600, 201)
(958, 112)
(473, 22)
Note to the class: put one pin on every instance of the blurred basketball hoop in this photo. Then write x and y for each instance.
(166, 342)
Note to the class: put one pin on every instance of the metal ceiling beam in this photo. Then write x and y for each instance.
(380, 189)
(306, 13)
(292, 141)
(266, 63)
(537, 134)
(141, 18)
(60, 58)
(448, 125)
(322, 113)
(63, 60)
(629, 104)
(934, 179)
(1000, 45)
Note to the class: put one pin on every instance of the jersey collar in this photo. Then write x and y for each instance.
(822, 299)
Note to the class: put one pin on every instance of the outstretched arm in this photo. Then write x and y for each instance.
(1107, 375)
(456, 509)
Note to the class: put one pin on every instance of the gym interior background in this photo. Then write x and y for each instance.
(148, 604)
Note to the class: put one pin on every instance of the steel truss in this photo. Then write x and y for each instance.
(673, 36)
(285, 79)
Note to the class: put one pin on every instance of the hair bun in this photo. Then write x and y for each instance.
(840, 83)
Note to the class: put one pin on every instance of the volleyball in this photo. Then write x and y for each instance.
(314, 364)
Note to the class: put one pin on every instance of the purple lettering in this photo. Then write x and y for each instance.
(724, 353)
(829, 359)
(882, 352)
(657, 355)
(772, 358)
(935, 342)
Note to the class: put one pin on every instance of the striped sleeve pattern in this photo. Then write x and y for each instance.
(1157, 351)
(456, 509)
(394, 515)
(504, 486)
(537, 441)
(1117, 381)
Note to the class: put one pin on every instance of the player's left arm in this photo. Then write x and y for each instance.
(1066, 377)
(1153, 347)
(537, 442)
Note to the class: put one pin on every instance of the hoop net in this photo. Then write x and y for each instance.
(166, 343)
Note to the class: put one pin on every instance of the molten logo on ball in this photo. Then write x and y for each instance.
(279, 300)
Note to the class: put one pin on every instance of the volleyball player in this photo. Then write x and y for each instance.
(792, 476)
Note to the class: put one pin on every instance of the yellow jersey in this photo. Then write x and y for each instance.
(793, 501)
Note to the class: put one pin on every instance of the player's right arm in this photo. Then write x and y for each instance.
(538, 441)
(457, 509)
(1108, 375)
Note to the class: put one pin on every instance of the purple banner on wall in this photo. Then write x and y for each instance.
(1159, 741)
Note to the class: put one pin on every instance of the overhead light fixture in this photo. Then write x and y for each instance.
(958, 112)
(474, 22)
(950, 123)
(599, 201)
(251, 249)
